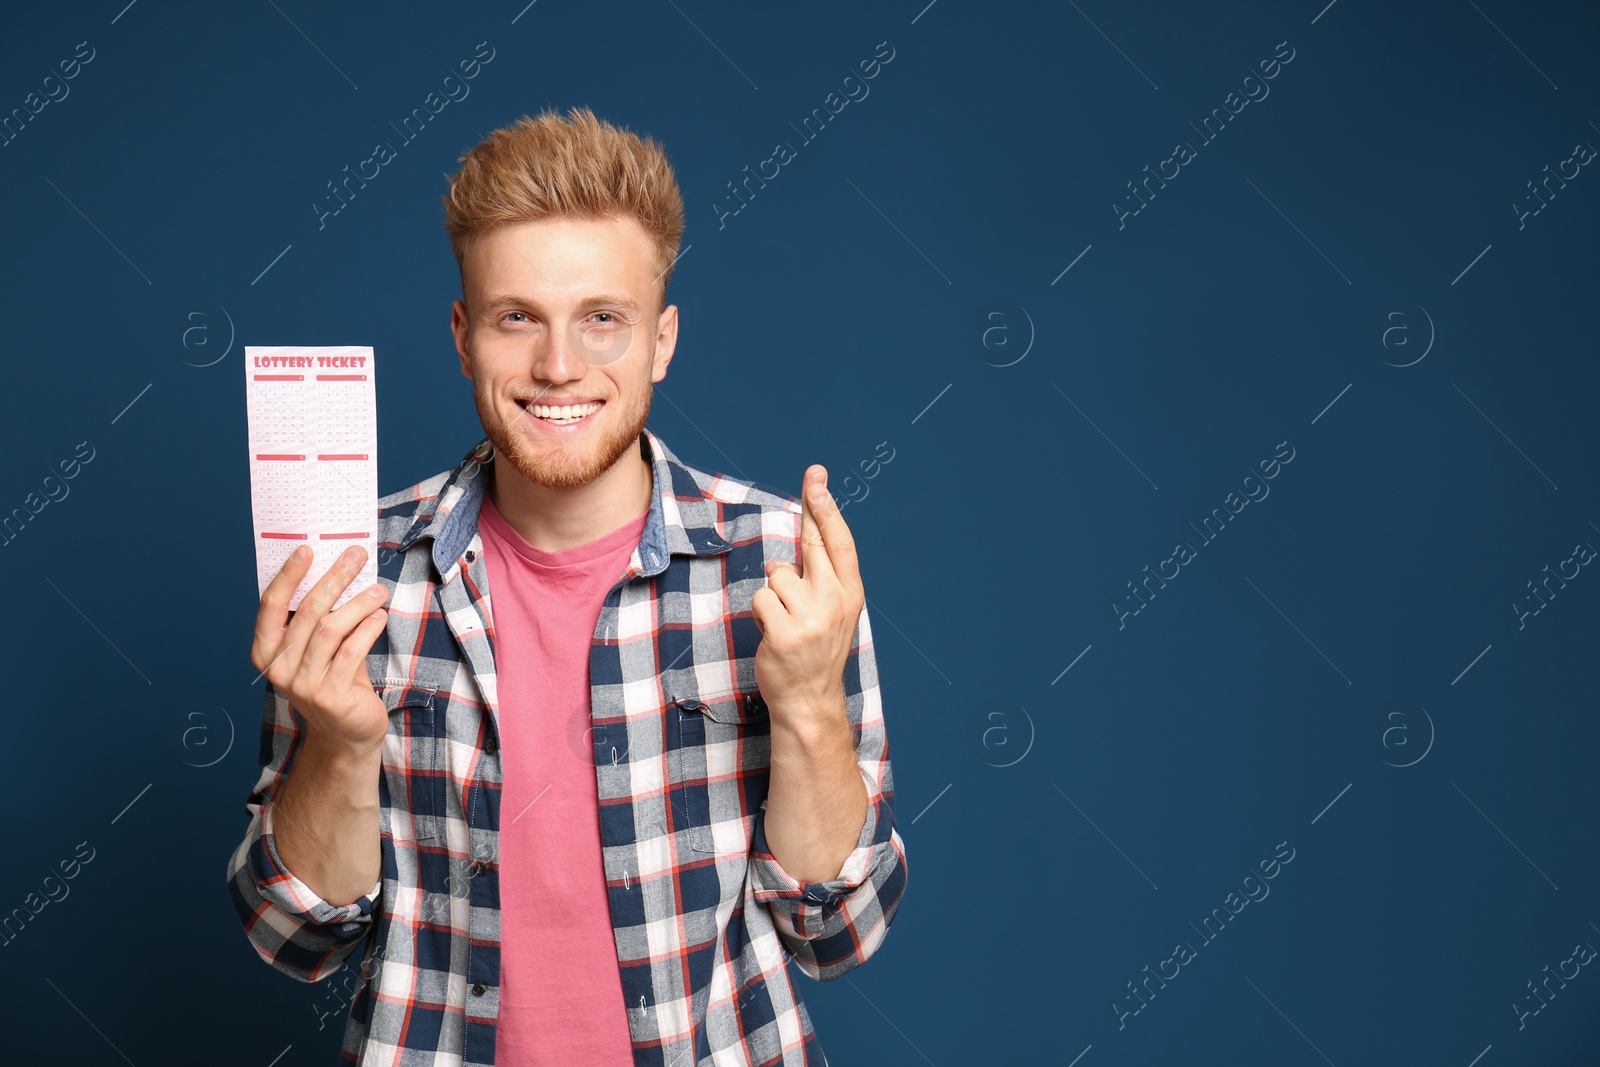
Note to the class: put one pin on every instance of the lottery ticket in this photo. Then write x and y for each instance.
(313, 431)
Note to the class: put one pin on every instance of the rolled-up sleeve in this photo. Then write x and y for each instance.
(291, 927)
(833, 926)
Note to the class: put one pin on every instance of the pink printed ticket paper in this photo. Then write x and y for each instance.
(313, 418)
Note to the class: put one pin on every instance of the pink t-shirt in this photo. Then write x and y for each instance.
(561, 997)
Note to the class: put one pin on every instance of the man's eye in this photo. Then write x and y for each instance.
(610, 317)
(510, 313)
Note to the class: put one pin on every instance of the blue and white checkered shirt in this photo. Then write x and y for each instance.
(705, 918)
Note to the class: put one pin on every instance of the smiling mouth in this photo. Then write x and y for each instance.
(560, 414)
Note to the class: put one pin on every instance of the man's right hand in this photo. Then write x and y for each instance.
(318, 659)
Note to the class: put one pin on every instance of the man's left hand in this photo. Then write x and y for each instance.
(807, 615)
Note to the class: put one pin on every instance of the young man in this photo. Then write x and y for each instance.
(613, 752)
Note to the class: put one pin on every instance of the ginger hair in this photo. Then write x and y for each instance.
(581, 166)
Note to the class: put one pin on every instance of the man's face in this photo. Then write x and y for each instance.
(562, 312)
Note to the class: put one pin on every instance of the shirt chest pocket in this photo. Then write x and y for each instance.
(718, 762)
(414, 781)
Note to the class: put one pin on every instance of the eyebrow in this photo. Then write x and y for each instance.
(500, 301)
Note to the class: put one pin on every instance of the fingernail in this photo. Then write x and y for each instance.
(298, 553)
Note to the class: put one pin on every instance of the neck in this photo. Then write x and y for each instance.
(555, 519)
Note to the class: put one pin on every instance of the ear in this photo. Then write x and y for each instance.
(458, 328)
(666, 341)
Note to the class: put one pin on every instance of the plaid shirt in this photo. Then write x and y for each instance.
(704, 916)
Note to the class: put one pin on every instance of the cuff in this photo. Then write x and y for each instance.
(280, 887)
(772, 883)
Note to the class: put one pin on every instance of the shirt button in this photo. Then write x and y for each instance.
(471, 556)
(491, 746)
(479, 990)
(480, 868)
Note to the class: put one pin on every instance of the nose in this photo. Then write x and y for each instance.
(555, 360)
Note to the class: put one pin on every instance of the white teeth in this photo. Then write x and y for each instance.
(566, 412)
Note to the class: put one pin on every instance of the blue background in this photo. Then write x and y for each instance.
(1342, 670)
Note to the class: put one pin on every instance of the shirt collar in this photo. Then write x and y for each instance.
(682, 520)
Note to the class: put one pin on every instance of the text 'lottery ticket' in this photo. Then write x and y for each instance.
(313, 419)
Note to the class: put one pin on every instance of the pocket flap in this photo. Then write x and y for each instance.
(401, 694)
(738, 708)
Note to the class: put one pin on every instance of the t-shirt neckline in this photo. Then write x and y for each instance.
(628, 533)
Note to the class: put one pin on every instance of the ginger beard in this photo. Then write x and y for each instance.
(569, 462)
